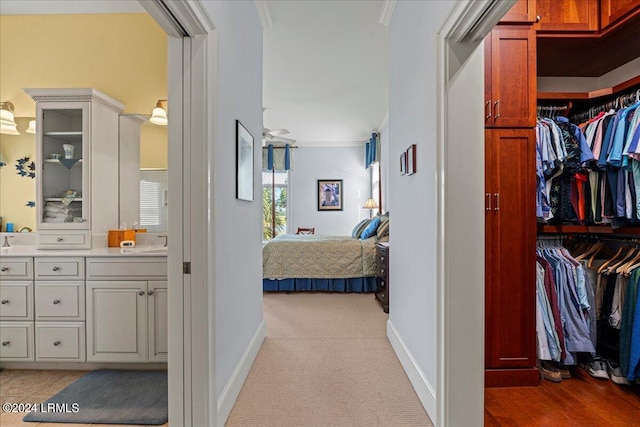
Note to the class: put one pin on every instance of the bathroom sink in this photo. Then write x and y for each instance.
(160, 250)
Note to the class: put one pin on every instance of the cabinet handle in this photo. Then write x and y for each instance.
(497, 110)
(488, 196)
(381, 259)
(59, 239)
(382, 271)
(140, 293)
(497, 208)
(487, 109)
(5, 343)
(56, 268)
(382, 284)
(4, 268)
(150, 293)
(57, 343)
(5, 301)
(56, 301)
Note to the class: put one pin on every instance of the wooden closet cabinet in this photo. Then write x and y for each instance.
(510, 77)
(613, 11)
(523, 11)
(567, 15)
(510, 239)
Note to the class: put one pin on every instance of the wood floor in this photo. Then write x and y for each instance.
(581, 401)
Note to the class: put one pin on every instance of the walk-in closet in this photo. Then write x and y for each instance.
(562, 214)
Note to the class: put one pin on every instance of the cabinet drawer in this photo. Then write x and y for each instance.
(16, 268)
(118, 268)
(16, 341)
(16, 301)
(64, 268)
(72, 239)
(60, 341)
(59, 301)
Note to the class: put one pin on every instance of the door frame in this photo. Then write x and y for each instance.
(191, 297)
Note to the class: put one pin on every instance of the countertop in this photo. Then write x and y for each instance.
(31, 251)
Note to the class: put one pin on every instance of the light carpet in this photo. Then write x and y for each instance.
(326, 361)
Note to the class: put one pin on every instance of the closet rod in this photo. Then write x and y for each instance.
(620, 101)
(596, 237)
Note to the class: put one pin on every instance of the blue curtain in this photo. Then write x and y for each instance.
(372, 150)
(270, 157)
(287, 158)
(278, 158)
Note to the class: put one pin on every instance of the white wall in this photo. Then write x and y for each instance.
(237, 224)
(413, 199)
(313, 163)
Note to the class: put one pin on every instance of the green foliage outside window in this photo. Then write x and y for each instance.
(281, 212)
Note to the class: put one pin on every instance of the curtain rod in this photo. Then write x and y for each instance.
(276, 147)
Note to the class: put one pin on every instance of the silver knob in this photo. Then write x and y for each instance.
(5, 343)
(60, 239)
(382, 283)
(381, 259)
(382, 271)
(56, 301)
(4, 268)
(56, 268)
(5, 301)
(150, 293)
(57, 343)
(140, 293)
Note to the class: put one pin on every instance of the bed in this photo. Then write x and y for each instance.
(309, 262)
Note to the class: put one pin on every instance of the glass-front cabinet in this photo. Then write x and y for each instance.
(64, 160)
(77, 166)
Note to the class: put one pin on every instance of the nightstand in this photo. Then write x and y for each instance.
(382, 276)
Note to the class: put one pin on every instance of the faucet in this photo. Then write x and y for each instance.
(166, 239)
(6, 241)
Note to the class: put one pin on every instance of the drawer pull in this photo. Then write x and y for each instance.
(59, 239)
(56, 301)
(57, 343)
(382, 284)
(381, 259)
(5, 343)
(5, 269)
(5, 301)
(150, 293)
(140, 293)
(382, 271)
(56, 268)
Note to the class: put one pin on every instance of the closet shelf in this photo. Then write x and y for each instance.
(593, 94)
(590, 229)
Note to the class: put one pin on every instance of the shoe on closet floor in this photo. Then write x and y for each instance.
(597, 368)
(564, 372)
(615, 373)
(550, 372)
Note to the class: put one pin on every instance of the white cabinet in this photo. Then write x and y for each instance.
(16, 341)
(60, 342)
(16, 309)
(127, 309)
(77, 159)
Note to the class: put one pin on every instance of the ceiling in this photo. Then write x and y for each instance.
(325, 63)
(325, 69)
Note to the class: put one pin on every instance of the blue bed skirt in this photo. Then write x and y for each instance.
(356, 284)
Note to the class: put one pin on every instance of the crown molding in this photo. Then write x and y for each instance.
(384, 122)
(338, 144)
(387, 12)
(75, 95)
(264, 13)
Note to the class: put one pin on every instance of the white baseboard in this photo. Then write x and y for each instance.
(425, 391)
(231, 391)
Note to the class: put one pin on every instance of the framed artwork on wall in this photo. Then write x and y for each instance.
(403, 163)
(244, 163)
(411, 160)
(330, 194)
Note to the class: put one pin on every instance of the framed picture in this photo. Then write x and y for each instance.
(330, 194)
(411, 160)
(244, 163)
(403, 163)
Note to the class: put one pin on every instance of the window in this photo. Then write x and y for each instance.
(274, 199)
(375, 183)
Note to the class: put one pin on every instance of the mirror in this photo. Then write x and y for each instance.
(143, 157)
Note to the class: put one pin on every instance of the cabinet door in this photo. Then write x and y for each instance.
(513, 77)
(522, 11)
(612, 11)
(510, 294)
(63, 146)
(158, 321)
(567, 15)
(117, 321)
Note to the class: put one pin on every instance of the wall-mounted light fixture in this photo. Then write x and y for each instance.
(7, 120)
(159, 115)
(32, 127)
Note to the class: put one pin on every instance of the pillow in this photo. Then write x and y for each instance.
(358, 229)
(371, 228)
(383, 228)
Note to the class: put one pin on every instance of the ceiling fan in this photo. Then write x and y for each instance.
(269, 135)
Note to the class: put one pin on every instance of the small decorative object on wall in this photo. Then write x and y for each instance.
(26, 168)
(244, 163)
(411, 160)
(31, 204)
(330, 194)
(403, 163)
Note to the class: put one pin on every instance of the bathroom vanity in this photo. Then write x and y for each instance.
(96, 306)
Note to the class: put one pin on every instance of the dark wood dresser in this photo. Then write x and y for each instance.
(382, 276)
